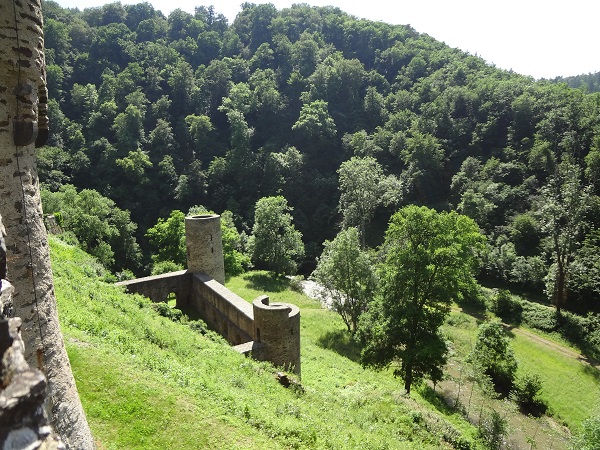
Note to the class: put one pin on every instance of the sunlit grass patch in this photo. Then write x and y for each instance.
(154, 383)
(571, 389)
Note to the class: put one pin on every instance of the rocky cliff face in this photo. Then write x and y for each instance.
(23, 419)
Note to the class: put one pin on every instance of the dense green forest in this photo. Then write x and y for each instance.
(590, 82)
(152, 114)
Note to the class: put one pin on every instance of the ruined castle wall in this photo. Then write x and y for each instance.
(157, 288)
(269, 331)
(224, 311)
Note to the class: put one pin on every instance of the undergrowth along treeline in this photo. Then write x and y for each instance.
(147, 381)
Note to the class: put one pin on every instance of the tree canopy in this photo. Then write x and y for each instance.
(159, 113)
(347, 277)
(275, 242)
(430, 261)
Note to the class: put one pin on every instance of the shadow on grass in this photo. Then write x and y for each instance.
(591, 370)
(537, 408)
(341, 342)
(437, 400)
(474, 311)
(266, 282)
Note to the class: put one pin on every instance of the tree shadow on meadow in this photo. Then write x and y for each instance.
(441, 403)
(589, 369)
(266, 282)
(341, 342)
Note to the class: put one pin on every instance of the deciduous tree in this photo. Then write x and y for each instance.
(361, 192)
(493, 355)
(102, 229)
(275, 242)
(168, 237)
(430, 259)
(562, 215)
(347, 276)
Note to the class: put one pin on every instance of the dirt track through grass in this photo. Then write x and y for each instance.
(555, 346)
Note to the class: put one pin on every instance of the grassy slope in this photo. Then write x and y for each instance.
(147, 382)
(570, 389)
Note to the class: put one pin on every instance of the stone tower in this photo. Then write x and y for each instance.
(23, 127)
(204, 246)
(277, 330)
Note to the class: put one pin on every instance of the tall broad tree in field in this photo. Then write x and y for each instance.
(275, 242)
(430, 259)
(564, 203)
(347, 276)
(23, 127)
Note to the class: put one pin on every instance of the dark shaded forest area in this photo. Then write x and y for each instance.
(151, 114)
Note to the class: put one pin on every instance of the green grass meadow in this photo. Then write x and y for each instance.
(147, 382)
(570, 389)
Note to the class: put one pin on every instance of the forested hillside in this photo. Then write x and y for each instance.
(160, 113)
(590, 82)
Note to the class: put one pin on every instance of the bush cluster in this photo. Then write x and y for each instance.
(163, 309)
(506, 307)
(525, 393)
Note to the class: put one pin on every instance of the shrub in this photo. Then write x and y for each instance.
(494, 356)
(506, 307)
(583, 331)
(588, 437)
(539, 316)
(579, 330)
(161, 267)
(472, 297)
(125, 274)
(493, 429)
(163, 309)
(296, 283)
(199, 326)
(526, 390)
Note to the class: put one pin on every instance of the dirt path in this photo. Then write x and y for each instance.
(555, 346)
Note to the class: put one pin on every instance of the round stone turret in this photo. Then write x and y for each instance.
(204, 245)
(277, 331)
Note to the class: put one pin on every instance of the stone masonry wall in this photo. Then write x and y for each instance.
(23, 419)
(277, 329)
(158, 287)
(227, 313)
(270, 332)
(204, 246)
